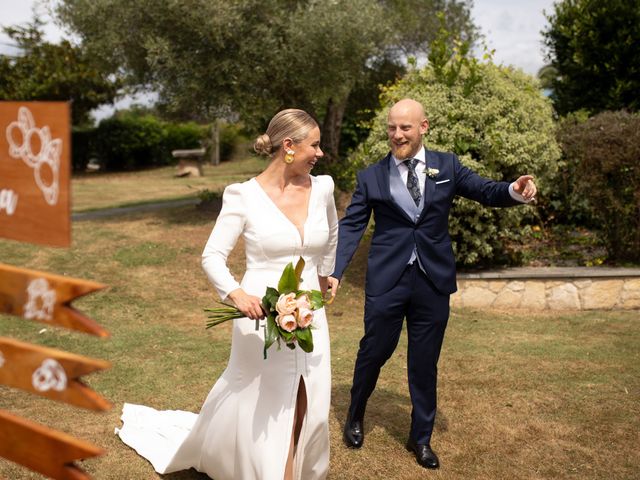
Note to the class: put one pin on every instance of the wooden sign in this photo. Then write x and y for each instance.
(50, 373)
(43, 450)
(46, 298)
(34, 172)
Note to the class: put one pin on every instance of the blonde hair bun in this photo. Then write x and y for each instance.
(290, 123)
(262, 145)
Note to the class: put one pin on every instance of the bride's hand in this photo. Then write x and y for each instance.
(249, 305)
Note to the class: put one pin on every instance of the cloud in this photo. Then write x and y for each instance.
(513, 30)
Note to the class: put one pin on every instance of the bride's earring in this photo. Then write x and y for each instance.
(288, 158)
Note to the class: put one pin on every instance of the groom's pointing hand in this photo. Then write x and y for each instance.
(525, 186)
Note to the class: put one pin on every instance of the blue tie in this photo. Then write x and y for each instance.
(413, 185)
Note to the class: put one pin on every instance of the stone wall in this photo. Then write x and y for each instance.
(550, 288)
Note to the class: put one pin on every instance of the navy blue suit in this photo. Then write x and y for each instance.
(395, 290)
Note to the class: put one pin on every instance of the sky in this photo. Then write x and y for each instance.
(511, 28)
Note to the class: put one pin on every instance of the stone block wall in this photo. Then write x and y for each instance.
(550, 289)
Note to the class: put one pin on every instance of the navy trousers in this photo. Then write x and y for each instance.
(426, 310)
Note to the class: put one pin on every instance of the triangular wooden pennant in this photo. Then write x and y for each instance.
(50, 373)
(42, 449)
(46, 298)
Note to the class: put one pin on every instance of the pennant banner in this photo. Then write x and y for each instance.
(50, 373)
(46, 297)
(43, 450)
(35, 172)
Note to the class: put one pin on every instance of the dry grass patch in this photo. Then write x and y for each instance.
(102, 190)
(523, 396)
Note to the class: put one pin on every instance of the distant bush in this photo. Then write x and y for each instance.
(82, 141)
(232, 136)
(498, 123)
(564, 204)
(604, 153)
(128, 143)
(183, 136)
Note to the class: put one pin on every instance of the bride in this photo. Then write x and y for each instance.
(264, 418)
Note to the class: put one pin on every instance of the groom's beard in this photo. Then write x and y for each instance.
(404, 151)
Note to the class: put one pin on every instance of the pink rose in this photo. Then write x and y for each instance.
(303, 302)
(305, 317)
(286, 304)
(287, 322)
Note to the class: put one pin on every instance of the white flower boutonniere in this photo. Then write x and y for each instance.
(432, 172)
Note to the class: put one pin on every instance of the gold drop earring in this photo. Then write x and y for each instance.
(288, 158)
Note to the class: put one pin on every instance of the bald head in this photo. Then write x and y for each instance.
(406, 124)
(408, 108)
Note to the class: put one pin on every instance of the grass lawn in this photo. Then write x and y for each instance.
(522, 395)
(101, 190)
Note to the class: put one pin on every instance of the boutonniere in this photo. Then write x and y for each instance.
(431, 172)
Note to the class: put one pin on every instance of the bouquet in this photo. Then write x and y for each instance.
(289, 311)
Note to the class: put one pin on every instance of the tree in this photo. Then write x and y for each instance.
(498, 123)
(210, 58)
(593, 45)
(46, 71)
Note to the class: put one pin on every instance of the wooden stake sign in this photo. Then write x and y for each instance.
(34, 172)
(45, 297)
(35, 207)
(50, 373)
(43, 450)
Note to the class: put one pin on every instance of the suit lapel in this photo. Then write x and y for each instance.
(382, 175)
(431, 161)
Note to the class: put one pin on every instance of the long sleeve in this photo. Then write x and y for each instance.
(352, 227)
(225, 233)
(325, 268)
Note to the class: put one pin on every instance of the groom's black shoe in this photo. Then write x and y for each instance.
(424, 455)
(353, 433)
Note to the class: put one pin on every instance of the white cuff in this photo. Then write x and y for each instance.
(516, 196)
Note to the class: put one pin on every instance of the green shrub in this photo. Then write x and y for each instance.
(605, 153)
(128, 143)
(564, 204)
(498, 123)
(82, 141)
(182, 136)
(232, 135)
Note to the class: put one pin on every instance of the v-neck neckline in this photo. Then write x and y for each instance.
(301, 236)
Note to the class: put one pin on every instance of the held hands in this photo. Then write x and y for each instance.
(327, 284)
(524, 186)
(249, 305)
(333, 284)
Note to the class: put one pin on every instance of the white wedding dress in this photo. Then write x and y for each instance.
(244, 428)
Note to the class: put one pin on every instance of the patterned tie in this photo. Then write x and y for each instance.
(413, 185)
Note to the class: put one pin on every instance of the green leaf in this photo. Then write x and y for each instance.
(271, 332)
(298, 270)
(288, 281)
(287, 336)
(315, 298)
(305, 339)
(270, 299)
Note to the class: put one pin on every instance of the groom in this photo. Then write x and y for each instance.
(411, 267)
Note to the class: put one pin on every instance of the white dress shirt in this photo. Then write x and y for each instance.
(422, 165)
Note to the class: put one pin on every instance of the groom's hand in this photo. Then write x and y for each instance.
(334, 283)
(525, 186)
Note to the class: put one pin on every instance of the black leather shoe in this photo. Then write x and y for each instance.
(353, 433)
(424, 455)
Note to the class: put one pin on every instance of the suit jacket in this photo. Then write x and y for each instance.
(396, 234)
